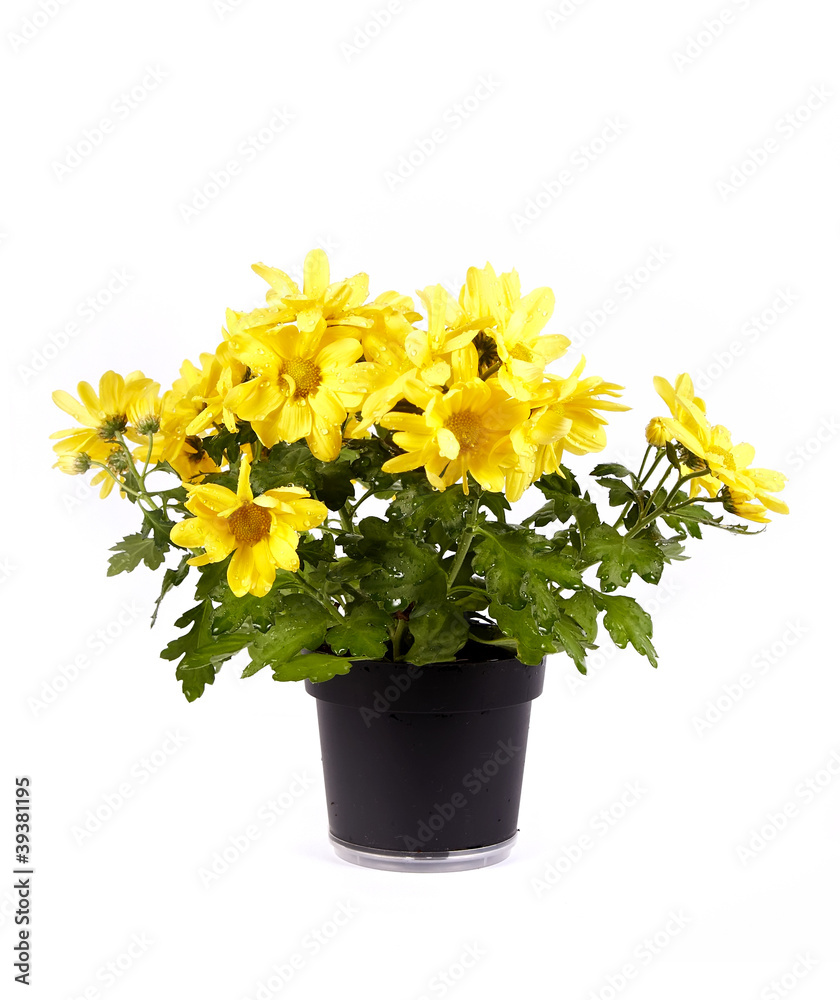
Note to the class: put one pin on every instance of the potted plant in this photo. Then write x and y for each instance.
(344, 472)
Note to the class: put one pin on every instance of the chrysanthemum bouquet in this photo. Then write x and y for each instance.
(321, 400)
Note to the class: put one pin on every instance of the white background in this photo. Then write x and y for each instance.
(687, 115)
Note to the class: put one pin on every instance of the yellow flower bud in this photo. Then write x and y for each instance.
(657, 433)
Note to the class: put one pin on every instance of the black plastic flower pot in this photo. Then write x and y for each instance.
(423, 766)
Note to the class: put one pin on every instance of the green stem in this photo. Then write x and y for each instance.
(465, 543)
(649, 472)
(396, 638)
(123, 486)
(346, 517)
(663, 508)
(369, 493)
(470, 590)
(148, 459)
(640, 481)
(648, 450)
(132, 468)
(687, 503)
(321, 598)
(652, 499)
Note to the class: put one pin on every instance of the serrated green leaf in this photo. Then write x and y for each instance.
(315, 667)
(620, 557)
(398, 571)
(294, 464)
(517, 562)
(627, 621)
(364, 632)
(581, 606)
(211, 577)
(530, 641)
(612, 469)
(544, 515)
(565, 493)
(299, 623)
(133, 550)
(173, 577)
(419, 503)
(234, 612)
(438, 636)
(571, 639)
(370, 454)
(202, 653)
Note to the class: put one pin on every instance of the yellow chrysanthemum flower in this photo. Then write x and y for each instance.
(730, 471)
(565, 418)
(405, 353)
(688, 423)
(711, 446)
(305, 383)
(201, 392)
(337, 304)
(384, 343)
(103, 415)
(183, 451)
(512, 338)
(261, 532)
(464, 431)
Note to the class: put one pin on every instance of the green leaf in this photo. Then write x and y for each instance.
(620, 492)
(419, 503)
(572, 639)
(133, 550)
(438, 636)
(626, 621)
(294, 464)
(515, 561)
(315, 667)
(403, 571)
(235, 612)
(171, 578)
(620, 557)
(582, 607)
(364, 632)
(370, 454)
(202, 653)
(544, 515)
(565, 493)
(299, 623)
(612, 469)
(312, 550)
(211, 578)
(532, 642)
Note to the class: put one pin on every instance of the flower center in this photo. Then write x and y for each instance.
(304, 373)
(250, 524)
(196, 456)
(466, 426)
(488, 355)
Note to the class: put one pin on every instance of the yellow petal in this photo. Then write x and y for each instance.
(243, 488)
(316, 274)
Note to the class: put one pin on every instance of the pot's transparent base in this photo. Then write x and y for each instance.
(433, 861)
